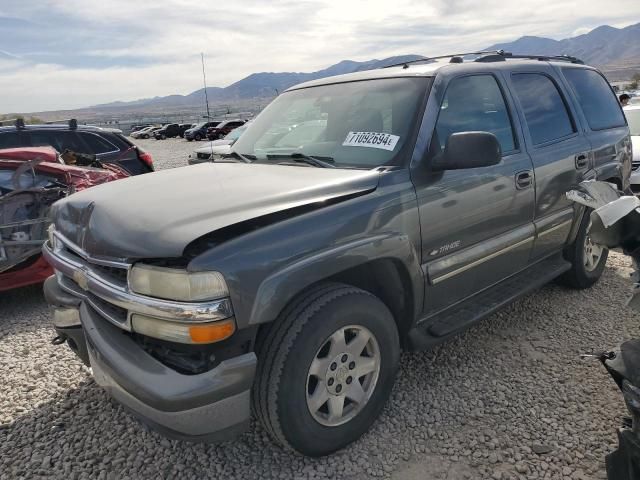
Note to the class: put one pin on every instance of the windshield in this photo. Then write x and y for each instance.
(361, 124)
(633, 119)
(200, 125)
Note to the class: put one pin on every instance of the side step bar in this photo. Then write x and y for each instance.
(433, 329)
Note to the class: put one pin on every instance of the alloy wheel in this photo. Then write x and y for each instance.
(343, 375)
(592, 252)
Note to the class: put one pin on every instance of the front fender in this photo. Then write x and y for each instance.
(279, 288)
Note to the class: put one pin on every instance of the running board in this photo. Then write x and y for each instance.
(434, 328)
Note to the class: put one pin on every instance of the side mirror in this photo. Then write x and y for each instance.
(468, 150)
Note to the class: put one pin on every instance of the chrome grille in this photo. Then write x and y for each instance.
(114, 273)
(102, 284)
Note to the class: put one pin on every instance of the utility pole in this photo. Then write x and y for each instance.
(204, 78)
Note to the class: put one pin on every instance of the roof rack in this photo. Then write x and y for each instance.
(440, 57)
(490, 56)
(501, 56)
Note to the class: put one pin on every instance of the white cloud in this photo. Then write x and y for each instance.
(123, 50)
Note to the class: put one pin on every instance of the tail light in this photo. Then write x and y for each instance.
(146, 158)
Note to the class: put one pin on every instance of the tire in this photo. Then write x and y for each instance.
(306, 334)
(586, 269)
(197, 137)
(145, 136)
(163, 137)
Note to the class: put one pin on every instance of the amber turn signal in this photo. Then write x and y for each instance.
(213, 332)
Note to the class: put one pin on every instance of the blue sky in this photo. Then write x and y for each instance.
(73, 53)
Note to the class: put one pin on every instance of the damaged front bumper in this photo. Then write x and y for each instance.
(91, 314)
(212, 406)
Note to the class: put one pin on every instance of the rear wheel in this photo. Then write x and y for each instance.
(325, 369)
(588, 259)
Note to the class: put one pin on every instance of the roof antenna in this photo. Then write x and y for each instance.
(204, 78)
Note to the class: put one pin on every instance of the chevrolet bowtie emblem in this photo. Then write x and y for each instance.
(81, 279)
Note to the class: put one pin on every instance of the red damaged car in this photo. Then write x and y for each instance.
(31, 180)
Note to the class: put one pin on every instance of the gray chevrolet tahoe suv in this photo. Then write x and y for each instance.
(286, 280)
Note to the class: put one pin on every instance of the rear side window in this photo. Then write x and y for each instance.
(97, 144)
(475, 103)
(544, 109)
(598, 102)
(60, 140)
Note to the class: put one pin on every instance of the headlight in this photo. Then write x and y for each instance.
(175, 284)
(182, 332)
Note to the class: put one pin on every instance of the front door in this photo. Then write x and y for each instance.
(476, 223)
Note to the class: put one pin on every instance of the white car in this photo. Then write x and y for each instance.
(217, 148)
(632, 113)
(145, 132)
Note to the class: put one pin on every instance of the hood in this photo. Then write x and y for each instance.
(157, 215)
(635, 146)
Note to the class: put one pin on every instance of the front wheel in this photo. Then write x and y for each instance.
(198, 137)
(325, 369)
(587, 258)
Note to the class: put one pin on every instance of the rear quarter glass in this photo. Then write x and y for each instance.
(597, 100)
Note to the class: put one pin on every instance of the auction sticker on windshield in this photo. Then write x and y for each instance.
(384, 141)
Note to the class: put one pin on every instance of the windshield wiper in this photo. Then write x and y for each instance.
(246, 158)
(322, 162)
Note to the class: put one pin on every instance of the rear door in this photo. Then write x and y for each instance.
(603, 121)
(559, 151)
(476, 223)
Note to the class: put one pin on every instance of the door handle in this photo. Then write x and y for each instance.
(582, 161)
(524, 179)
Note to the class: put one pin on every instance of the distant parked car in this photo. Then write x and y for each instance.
(135, 128)
(168, 131)
(184, 127)
(223, 128)
(217, 148)
(632, 113)
(145, 132)
(199, 132)
(210, 153)
(107, 144)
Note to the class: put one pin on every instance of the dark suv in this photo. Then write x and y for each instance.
(199, 131)
(357, 216)
(109, 145)
(223, 128)
(168, 131)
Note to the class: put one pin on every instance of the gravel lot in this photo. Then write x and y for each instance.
(479, 406)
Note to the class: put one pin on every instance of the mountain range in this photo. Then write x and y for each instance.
(612, 49)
